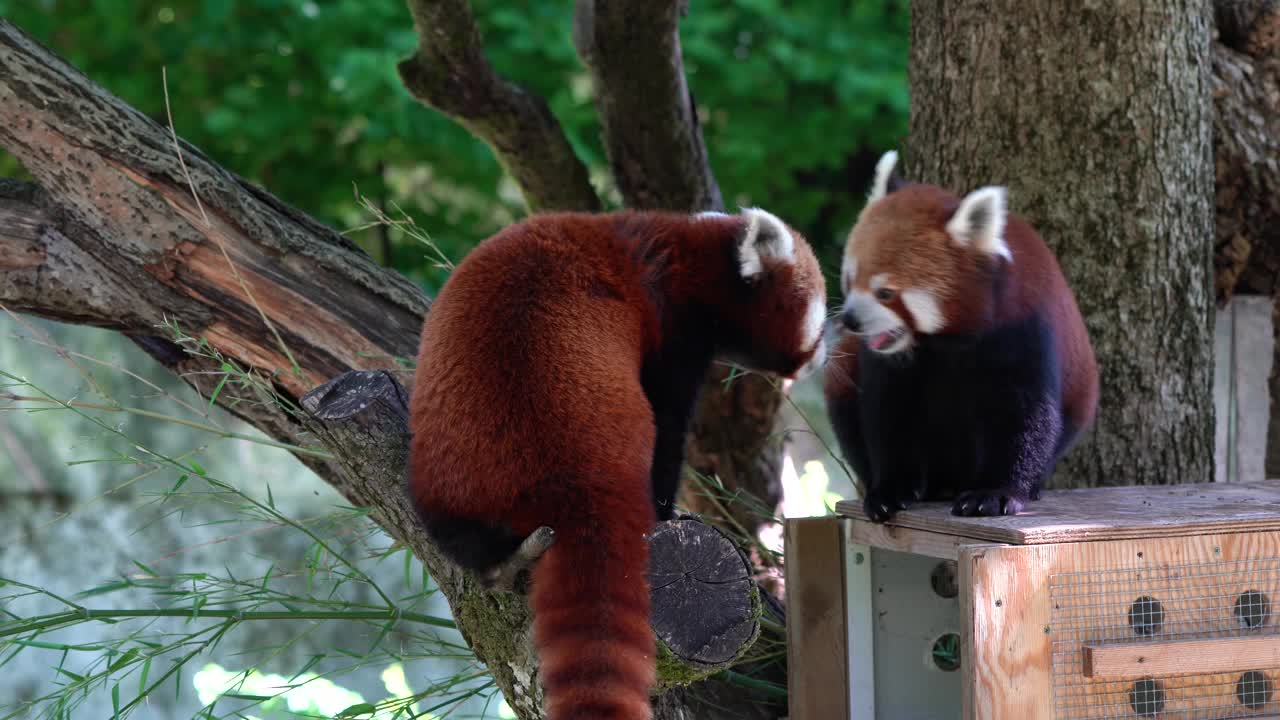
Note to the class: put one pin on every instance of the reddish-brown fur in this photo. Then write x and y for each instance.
(528, 410)
(903, 235)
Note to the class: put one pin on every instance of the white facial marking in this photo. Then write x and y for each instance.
(884, 169)
(885, 331)
(873, 317)
(924, 307)
(705, 214)
(879, 280)
(814, 318)
(848, 272)
(764, 236)
(979, 222)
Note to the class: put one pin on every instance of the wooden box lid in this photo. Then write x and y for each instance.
(1108, 513)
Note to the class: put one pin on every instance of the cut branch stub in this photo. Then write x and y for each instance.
(350, 394)
(706, 607)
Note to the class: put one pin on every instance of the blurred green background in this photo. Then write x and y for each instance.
(796, 101)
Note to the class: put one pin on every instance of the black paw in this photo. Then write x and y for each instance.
(881, 506)
(988, 503)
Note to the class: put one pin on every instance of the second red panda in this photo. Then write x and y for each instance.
(558, 369)
(967, 372)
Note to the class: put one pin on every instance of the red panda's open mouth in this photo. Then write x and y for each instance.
(880, 341)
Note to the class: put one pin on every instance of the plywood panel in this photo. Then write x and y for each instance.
(817, 653)
(1063, 516)
(909, 616)
(1029, 611)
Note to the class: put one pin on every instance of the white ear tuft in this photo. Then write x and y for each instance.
(705, 214)
(763, 236)
(979, 222)
(884, 169)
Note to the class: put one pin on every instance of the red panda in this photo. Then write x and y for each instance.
(557, 373)
(967, 372)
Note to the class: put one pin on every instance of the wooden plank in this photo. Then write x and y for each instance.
(1212, 655)
(1027, 612)
(1005, 653)
(1113, 513)
(908, 540)
(817, 651)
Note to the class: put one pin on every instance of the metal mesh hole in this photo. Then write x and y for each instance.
(1253, 690)
(1147, 698)
(1252, 609)
(1146, 615)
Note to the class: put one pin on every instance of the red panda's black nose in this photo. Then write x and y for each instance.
(850, 320)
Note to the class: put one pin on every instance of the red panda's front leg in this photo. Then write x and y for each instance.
(1021, 450)
(671, 384)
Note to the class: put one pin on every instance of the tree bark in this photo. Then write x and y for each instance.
(1246, 140)
(112, 235)
(450, 73)
(1098, 119)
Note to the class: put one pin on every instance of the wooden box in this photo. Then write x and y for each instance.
(1154, 602)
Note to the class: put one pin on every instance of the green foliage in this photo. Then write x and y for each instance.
(796, 101)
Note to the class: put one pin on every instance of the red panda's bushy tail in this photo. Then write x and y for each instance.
(590, 600)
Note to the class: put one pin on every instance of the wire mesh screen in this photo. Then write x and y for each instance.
(1161, 604)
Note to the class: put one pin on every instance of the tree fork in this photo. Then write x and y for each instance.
(450, 73)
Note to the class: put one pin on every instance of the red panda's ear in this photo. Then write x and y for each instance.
(979, 222)
(886, 180)
(762, 236)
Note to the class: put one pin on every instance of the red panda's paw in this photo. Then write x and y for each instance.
(881, 505)
(988, 503)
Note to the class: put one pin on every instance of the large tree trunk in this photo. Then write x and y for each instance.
(1098, 119)
(117, 232)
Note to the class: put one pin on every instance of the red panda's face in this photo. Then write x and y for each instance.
(778, 320)
(919, 262)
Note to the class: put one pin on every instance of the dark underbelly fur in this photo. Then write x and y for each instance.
(977, 420)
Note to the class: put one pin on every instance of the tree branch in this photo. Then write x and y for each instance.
(450, 73)
(650, 128)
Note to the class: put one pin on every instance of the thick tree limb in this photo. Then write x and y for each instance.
(450, 73)
(650, 128)
(111, 236)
